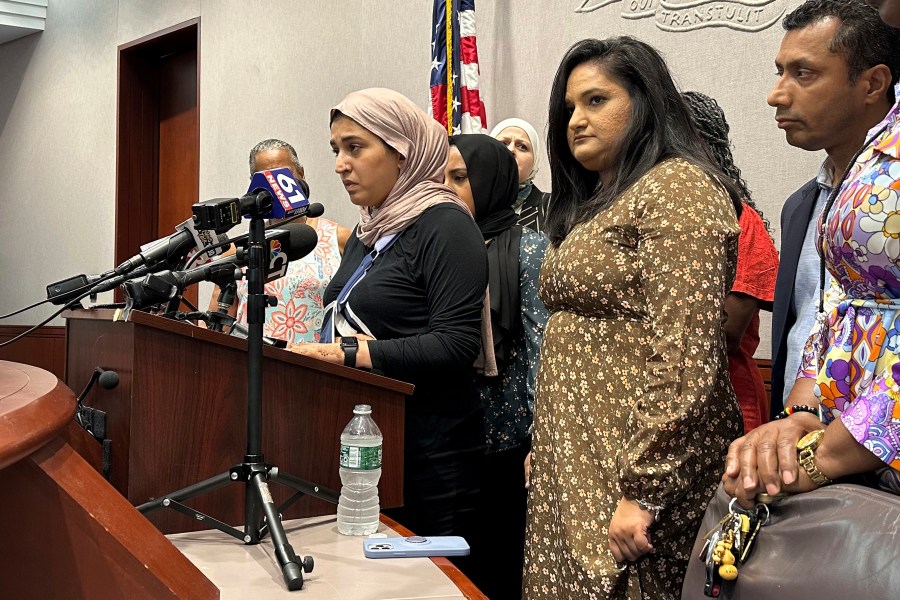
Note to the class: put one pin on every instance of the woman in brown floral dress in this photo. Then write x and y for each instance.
(634, 407)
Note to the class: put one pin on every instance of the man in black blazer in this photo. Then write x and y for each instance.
(821, 105)
(796, 215)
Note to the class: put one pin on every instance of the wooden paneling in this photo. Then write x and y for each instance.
(73, 536)
(765, 367)
(179, 143)
(34, 407)
(69, 533)
(179, 159)
(179, 414)
(44, 348)
(137, 154)
(109, 349)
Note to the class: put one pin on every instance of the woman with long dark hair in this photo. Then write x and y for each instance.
(634, 409)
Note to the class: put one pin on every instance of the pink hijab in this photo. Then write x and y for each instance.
(417, 137)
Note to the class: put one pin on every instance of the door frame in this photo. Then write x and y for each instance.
(137, 135)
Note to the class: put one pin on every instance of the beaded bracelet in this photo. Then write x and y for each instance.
(799, 408)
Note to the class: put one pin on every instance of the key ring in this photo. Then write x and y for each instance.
(740, 509)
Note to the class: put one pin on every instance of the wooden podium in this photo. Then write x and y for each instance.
(179, 414)
(69, 533)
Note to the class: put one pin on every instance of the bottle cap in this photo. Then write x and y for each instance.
(362, 409)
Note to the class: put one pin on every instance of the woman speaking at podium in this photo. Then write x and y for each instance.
(407, 299)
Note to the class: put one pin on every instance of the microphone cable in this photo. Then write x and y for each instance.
(87, 287)
(72, 304)
(21, 310)
(42, 323)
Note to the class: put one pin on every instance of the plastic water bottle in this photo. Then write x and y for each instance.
(360, 469)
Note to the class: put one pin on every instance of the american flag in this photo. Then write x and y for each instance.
(455, 101)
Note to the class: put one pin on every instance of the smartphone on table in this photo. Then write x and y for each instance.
(416, 545)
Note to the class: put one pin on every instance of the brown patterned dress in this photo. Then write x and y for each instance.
(633, 393)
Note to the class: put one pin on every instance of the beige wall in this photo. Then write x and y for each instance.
(57, 151)
(273, 69)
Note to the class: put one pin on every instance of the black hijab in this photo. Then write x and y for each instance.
(494, 179)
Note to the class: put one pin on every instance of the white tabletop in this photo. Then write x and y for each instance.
(341, 571)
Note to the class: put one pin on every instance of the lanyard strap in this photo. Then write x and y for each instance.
(381, 246)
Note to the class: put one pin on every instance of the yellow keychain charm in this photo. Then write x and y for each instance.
(728, 572)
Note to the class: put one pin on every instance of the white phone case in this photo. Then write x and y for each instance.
(398, 547)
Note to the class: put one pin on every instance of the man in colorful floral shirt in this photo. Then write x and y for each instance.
(843, 415)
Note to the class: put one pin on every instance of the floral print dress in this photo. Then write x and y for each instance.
(854, 350)
(298, 315)
(508, 399)
(633, 393)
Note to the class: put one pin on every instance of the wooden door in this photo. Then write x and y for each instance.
(158, 143)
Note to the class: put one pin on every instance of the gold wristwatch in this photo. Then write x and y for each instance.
(806, 450)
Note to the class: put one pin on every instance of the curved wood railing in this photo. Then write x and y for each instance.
(34, 408)
(70, 534)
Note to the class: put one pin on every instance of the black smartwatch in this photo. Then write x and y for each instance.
(350, 345)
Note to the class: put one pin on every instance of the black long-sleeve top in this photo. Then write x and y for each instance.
(422, 300)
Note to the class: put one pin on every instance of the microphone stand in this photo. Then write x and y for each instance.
(219, 319)
(254, 472)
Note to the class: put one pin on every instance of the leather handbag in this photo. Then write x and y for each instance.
(839, 542)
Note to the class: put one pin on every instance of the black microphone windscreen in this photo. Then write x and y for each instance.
(303, 240)
(108, 380)
(315, 210)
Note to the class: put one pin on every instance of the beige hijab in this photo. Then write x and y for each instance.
(417, 137)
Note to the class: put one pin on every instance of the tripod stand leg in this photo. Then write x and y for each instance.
(253, 528)
(291, 570)
(191, 491)
(304, 486)
(196, 514)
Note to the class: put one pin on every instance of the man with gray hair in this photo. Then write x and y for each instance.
(271, 150)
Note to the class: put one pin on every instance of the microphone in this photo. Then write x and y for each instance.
(168, 251)
(114, 282)
(273, 194)
(312, 211)
(292, 242)
(108, 380)
(172, 250)
(290, 196)
(61, 292)
(301, 240)
(211, 215)
(93, 420)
